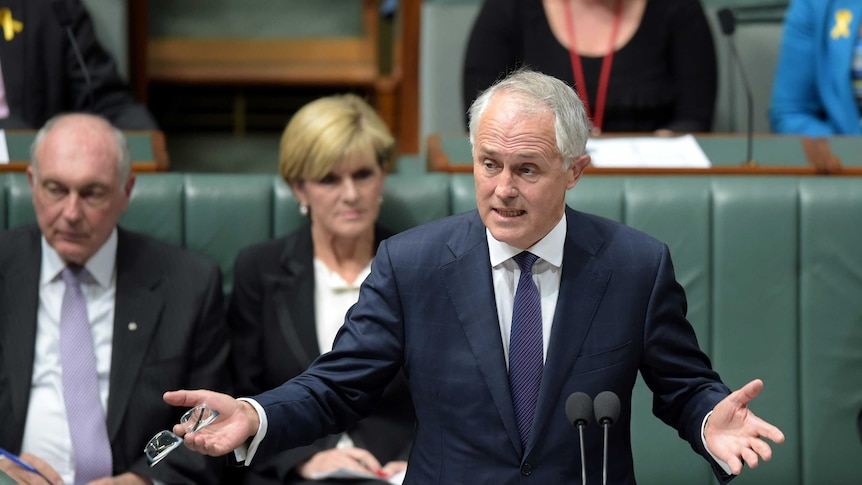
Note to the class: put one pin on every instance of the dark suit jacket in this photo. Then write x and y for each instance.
(273, 336)
(180, 342)
(43, 78)
(428, 307)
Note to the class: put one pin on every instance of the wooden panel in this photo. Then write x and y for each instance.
(333, 61)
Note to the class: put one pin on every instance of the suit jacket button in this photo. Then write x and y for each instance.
(526, 469)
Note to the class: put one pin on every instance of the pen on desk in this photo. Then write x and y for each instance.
(19, 461)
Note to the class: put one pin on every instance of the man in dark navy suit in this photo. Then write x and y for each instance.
(441, 304)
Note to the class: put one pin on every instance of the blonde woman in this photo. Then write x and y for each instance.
(290, 294)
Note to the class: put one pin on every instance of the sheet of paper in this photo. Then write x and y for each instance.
(647, 152)
(4, 149)
(352, 475)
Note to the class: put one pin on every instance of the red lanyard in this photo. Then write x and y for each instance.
(607, 62)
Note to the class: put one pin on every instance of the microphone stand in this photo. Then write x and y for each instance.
(64, 18)
(583, 455)
(606, 427)
(87, 82)
(749, 159)
(727, 21)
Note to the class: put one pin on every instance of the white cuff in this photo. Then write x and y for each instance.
(724, 466)
(245, 452)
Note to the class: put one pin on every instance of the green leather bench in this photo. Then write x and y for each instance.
(772, 267)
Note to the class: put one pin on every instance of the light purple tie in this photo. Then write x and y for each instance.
(526, 346)
(90, 444)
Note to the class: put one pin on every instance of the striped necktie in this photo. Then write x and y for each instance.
(526, 346)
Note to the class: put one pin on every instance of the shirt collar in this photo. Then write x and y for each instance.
(549, 248)
(333, 281)
(100, 266)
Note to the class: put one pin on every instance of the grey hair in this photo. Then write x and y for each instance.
(124, 162)
(571, 125)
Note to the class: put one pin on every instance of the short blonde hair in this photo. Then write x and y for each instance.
(327, 129)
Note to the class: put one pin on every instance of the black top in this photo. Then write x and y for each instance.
(273, 329)
(43, 77)
(664, 77)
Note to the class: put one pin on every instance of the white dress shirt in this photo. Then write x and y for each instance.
(546, 274)
(46, 432)
(332, 298)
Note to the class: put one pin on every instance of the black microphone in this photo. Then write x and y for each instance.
(64, 18)
(607, 409)
(579, 411)
(727, 21)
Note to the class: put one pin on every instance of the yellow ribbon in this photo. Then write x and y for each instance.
(843, 18)
(10, 25)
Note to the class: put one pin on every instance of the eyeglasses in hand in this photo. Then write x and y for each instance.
(165, 442)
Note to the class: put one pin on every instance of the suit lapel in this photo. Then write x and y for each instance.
(468, 283)
(19, 299)
(136, 316)
(291, 292)
(583, 282)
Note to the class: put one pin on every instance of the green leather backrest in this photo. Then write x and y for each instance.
(218, 214)
(755, 234)
(19, 205)
(830, 344)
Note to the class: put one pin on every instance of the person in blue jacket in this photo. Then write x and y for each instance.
(818, 81)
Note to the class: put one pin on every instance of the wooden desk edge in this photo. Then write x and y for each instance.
(160, 152)
(438, 161)
(159, 163)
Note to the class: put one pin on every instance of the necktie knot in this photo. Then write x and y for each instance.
(525, 261)
(74, 274)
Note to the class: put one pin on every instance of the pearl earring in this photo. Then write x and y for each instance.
(303, 210)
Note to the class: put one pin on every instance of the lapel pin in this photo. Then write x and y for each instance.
(133, 326)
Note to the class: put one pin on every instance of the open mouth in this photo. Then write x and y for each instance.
(510, 212)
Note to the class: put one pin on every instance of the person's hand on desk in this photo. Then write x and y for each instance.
(394, 467)
(236, 423)
(347, 458)
(733, 433)
(46, 473)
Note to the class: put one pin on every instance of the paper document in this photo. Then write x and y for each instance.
(4, 149)
(647, 152)
(352, 475)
